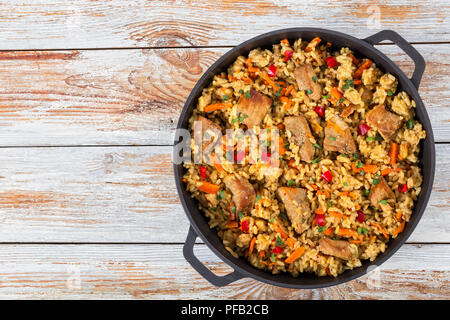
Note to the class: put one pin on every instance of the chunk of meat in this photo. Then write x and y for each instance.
(243, 193)
(296, 204)
(338, 136)
(336, 248)
(253, 109)
(210, 130)
(380, 192)
(304, 75)
(299, 128)
(386, 122)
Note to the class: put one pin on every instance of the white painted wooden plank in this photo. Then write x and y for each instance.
(160, 272)
(45, 24)
(134, 97)
(126, 194)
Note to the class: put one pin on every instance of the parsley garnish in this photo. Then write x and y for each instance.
(321, 229)
(368, 139)
(366, 192)
(378, 137)
(241, 91)
(376, 181)
(383, 201)
(291, 183)
(341, 100)
(316, 160)
(222, 194)
(257, 198)
(326, 97)
(272, 257)
(314, 78)
(359, 164)
(233, 209)
(317, 146)
(346, 184)
(240, 215)
(247, 94)
(389, 92)
(348, 84)
(308, 91)
(225, 97)
(355, 155)
(279, 242)
(332, 138)
(410, 124)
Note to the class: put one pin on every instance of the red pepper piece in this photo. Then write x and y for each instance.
(320, 111)
(288, 54)
(203, 172)
(363, 129)
(327, 176)
(320, 219)
(244, 226)
(277, 250)
(360, 217)
(403, 188)
(272, 71)
(331, 61)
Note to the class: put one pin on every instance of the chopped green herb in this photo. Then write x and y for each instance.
(286, 145)
(240, 215)
(359, 164)
(383, 201)
(341, 100)
(364, 230)
(332, 138)
(291, 183)
(373, 208)
(368, 139)
(326, 96)
(214, 208)
(258, 197)
(345, 155)
(376, 181)
(308, 91)
(266, 143)
(410, 124)
(222, 194)
(279, 242)
(348, 84)
(368, 101)
(241, 91)
(271, 219)
(314, 78)
(233, 209)
(378, 137)
(321, 229)
(346, 184)
(278, 93)
(283, 216)
(329, 204)
(359, 230)
(316, 160)
(247, 94)
(366, 192)
(389, 92)
(272, 257)
(225, 97)
(355, 155)
(362, 172)
(317, 146)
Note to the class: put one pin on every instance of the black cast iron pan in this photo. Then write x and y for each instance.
(363, 48)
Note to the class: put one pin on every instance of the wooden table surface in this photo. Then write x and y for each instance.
(90, 93)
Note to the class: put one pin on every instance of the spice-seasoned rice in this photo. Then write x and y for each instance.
(345, 180)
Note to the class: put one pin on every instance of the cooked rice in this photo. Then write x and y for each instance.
(346, 194)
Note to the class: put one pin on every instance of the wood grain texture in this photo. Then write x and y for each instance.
(160, 272)
(126, 194)
(134, 97)
(108, 24)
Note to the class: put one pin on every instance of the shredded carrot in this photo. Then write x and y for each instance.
(357, 207)
(385, 234)
(399, 215)
(266, 78)
(248, 62)
(319, 211)
(335, 127)
(286, 101)
(281, 148)
(323, 193)
(216, 163)
(288, 90)
(253, 69)
(365, 65)
(372, 240)
(336, 214)
(217, 106)
(184, 180)
(399, 229)
(335, 93)
(357, 82)
(344, 232)
(360, 240)
(232, 225)
(252, 245)
(231, 78)
(314, 42)
(393, 153)
(328, 231)
(314, 186)
(262, 254)
(295, 255)
(355, 60)
(290, 242)
(343, 193)
(208, 187)
(369, 168)
(280, 231)
(291, 163)
(385, 172)
(247, 80)
(285, 42)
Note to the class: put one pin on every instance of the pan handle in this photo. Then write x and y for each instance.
(419, 61)
(188, 252)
